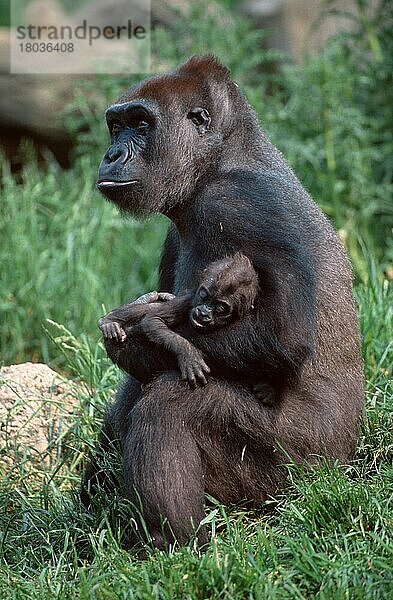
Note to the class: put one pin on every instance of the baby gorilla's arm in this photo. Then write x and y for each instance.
(113, 323)
(190, 360)
(152, 315)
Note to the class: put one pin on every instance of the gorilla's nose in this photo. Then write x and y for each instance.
(120, 153)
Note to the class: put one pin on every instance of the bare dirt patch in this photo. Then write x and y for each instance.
(36, 411)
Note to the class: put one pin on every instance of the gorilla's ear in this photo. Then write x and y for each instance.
(201, 119)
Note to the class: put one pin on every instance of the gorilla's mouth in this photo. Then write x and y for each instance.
(196, 323)
(200, 325)
(104, 184)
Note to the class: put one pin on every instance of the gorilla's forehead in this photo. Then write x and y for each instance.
(166, 90)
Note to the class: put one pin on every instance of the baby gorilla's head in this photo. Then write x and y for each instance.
(227, 291)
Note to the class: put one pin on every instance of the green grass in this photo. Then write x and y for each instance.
(330, 535)
(64, 253)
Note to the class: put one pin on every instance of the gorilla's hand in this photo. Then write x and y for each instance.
(193, 368)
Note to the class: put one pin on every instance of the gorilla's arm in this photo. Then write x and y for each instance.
(276, 338)
(113, 323)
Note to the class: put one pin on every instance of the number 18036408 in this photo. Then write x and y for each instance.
(46, 47)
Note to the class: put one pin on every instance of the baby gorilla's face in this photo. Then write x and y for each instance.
(227, 290)
(210, 311)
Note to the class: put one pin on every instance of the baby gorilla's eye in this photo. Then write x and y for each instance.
(223, 308)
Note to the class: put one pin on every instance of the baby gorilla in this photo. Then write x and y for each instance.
(226, 292)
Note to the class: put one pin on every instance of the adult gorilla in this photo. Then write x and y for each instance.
(188, 145)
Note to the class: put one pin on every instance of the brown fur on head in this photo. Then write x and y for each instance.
(233, 278)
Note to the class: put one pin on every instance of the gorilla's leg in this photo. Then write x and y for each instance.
(183, 443)
(98, 474)
(99, 471)
(162, 464)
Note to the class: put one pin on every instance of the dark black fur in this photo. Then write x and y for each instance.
(204, 162)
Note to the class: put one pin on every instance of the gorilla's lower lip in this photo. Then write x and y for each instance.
(195, 323)
(108, 183)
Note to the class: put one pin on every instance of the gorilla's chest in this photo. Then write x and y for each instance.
(195, 253)
(189, 263)
(202, 242)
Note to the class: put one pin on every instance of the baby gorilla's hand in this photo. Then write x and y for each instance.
(193, 368)
(112, 330)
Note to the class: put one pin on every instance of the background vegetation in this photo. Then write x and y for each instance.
(64, 253)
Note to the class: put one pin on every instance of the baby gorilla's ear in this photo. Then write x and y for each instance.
(241, 264)
(239, 256)
(243, 272)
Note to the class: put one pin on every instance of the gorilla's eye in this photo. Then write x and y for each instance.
(223, 308)
(203, 293)
(115, 127)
